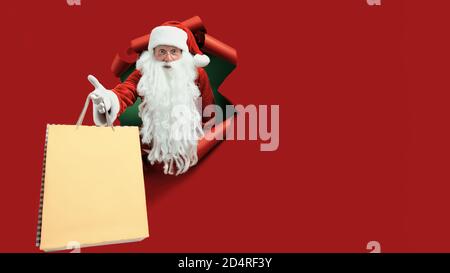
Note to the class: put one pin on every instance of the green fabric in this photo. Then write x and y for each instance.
(217, 70)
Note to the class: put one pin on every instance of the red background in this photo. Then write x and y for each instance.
(364, 122)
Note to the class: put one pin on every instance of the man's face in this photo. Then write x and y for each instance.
(164, 53)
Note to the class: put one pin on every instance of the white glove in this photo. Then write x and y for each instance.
(104, 102)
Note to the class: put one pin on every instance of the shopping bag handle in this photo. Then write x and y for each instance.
(83, 113)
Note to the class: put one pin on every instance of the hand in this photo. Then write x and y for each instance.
(105, 102)
(99, 96)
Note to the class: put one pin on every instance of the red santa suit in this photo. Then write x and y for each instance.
(175, 155)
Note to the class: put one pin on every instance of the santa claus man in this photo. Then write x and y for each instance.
(170, 80)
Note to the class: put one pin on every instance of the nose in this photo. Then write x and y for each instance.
(168, 58)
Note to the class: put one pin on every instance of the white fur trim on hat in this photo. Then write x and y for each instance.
(201, 60)
(168, 35)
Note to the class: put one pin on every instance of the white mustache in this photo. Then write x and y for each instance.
(169, 64)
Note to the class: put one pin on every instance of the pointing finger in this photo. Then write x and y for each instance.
(93, 80)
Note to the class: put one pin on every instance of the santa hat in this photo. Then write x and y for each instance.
(176, 34)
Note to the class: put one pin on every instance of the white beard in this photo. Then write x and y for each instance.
(171, 120)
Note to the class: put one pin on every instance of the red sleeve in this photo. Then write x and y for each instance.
(205, 90)
(126, 91)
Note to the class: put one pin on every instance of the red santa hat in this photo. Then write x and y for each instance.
(176, 34)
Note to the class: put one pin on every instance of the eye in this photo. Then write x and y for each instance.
(162, 51)
(173, 51)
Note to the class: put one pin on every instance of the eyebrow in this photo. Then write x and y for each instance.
(168, 49)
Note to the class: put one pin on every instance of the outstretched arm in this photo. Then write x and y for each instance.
(127, 91)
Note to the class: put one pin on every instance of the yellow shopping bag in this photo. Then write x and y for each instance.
(92, 187)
